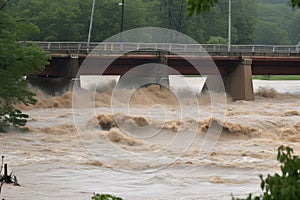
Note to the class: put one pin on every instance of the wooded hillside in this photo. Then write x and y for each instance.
(253, 21)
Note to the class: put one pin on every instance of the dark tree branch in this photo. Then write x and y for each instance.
(4, 4)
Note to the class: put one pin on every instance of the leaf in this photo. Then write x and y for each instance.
(16, 61)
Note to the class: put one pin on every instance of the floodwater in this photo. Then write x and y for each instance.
(152, 149)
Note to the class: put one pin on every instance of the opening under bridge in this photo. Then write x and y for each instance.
(236, 64)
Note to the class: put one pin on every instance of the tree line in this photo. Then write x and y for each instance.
(253, 21)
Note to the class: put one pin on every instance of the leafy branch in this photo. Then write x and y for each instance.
(16, 61)
(3, 4)
(105, 197)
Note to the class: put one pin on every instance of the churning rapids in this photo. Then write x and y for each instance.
(153, 151)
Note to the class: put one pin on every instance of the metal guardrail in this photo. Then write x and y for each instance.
(121, 48)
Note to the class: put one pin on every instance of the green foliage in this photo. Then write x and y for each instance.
(271, 33)
(217, 40)
(68, 20)
(285, 186)
(294, 27)
(281, 21)
(105, 197)
(198, 6)
(16, 62)
(295, 3)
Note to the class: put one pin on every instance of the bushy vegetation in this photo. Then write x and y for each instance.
(275, 20)
(105, 197)
(285, 185)
(16, 62)
(198, 6)
(277, 23)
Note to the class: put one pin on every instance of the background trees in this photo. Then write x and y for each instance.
(198, 6)
(68, 20)
(277, 23)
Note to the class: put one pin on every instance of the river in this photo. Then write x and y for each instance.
(153, 151)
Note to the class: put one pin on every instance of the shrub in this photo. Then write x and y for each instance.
(105, 197)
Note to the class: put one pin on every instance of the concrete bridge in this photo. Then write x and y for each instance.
(236, 64)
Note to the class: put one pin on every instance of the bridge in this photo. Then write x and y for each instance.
(235, 63)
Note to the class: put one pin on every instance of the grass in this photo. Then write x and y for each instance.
(276, 77)
(262, 77)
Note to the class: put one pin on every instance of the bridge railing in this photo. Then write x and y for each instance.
(120, 48)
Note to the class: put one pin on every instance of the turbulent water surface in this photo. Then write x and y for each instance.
(152, 149)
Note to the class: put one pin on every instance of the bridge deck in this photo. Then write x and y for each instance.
(119, 65)
(266, 59)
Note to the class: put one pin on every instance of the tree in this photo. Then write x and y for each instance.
(294, 27)
(68, 20)
(271, 33)
(16, 62)
(216, 22)
(217, 40)
(283, 17)
(295, 3)
(244, 17)
(198, 6)
(57, 20)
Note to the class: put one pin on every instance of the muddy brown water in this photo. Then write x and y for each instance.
(152, 152)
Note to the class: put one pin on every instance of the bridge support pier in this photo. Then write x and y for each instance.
(72, 67)
(162, 77)
(238, 84)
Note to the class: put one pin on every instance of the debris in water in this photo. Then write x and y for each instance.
(5, 178)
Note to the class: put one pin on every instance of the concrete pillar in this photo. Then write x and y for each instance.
(70, 72)
(162, 76)
(72, 67)
(239, 83)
